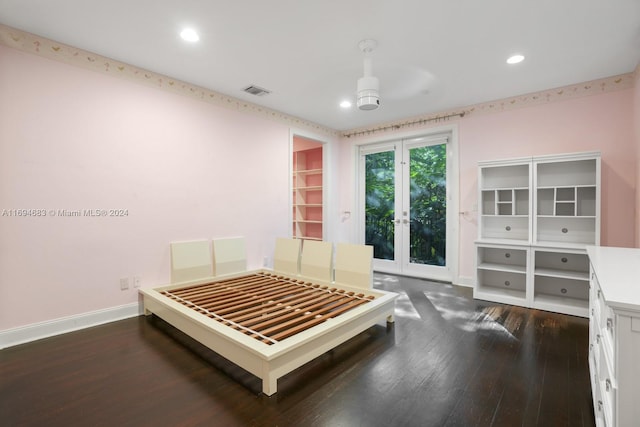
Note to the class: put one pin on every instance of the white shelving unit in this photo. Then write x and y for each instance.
(567, 188)
(505, 200)
(542, 211)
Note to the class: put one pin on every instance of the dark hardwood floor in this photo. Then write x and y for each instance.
(448, 361)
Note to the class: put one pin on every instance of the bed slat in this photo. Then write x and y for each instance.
(265, 306)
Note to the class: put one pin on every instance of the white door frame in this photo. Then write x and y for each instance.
(450, 273)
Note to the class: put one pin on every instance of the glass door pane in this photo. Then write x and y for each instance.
(428, 205)
(380, 203)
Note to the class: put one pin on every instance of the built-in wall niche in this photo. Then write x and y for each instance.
(308, 189)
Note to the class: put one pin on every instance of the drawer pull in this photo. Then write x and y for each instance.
(598, 338)
(564, 259)
(508, 228)
(507, 283)
(598, 294)
(563, 291)
(507, 255)
(593, 312)
(599, 405)
(607, 384)
(565, 230)
(610, 324)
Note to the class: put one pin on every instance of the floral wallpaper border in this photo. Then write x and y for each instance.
(31, 43)
(578, 90)
(47, 48)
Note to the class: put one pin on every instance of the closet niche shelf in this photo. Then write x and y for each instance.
(536, 217)
(307, 190)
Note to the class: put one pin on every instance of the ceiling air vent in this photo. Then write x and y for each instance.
(256, 90)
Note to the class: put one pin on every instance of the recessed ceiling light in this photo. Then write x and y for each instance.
(345, 104)
(189, 35)
(515, 59)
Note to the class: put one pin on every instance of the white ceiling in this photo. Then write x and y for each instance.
(432, 55)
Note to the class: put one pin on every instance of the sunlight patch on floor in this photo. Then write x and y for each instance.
(405, 308)
(457, 311)
(379, 280)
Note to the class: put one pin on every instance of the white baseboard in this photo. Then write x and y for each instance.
(36, 331)
(465, 281)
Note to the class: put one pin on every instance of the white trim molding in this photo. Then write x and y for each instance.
(36, 331)
(465, 281)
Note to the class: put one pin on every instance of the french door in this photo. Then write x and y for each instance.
(405, 209)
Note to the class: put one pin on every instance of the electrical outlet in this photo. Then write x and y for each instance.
(124, 283)
(266, 261)
(136, 281)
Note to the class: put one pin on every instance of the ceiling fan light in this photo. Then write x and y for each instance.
(368, 96)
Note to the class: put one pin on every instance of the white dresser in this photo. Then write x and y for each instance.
(614, 328)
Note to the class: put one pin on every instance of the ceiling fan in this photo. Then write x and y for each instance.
(368, 96)
(402, 82)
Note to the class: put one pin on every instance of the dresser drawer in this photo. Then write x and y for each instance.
(603, 319)
(607, 388)
(598, 408)
(594, 346)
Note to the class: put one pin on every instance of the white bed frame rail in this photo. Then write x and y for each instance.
(269, 362)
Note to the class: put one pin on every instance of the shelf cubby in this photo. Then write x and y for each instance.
(502, 274)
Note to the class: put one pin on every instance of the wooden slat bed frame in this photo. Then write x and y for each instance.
(266, 322)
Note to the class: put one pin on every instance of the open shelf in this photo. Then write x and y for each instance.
(309, 172)
(309, 188)
(566, 305)
(500, 294)
(503, 267)
(562, 274)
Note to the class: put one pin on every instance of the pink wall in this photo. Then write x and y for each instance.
(593, 123)
(184, 169)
